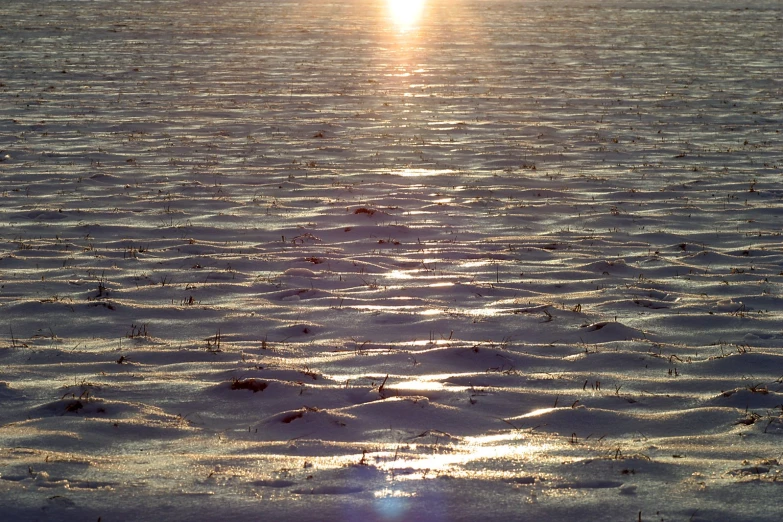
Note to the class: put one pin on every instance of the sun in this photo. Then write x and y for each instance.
(405, 13)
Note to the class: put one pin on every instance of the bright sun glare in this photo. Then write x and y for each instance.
(405, 13)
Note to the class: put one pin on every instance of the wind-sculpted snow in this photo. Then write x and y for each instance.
(512, 261)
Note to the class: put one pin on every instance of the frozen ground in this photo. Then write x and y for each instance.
(297, 261)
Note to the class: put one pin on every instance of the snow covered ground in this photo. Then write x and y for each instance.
(509, 260)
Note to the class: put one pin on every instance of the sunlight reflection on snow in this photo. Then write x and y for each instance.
(390, 493)
(536, 413)
(427, 312)
(510, 447)
(417, 274)
(400, 274)
(418, 385)
(420, 173)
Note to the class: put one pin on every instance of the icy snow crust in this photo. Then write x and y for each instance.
(288, 261)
